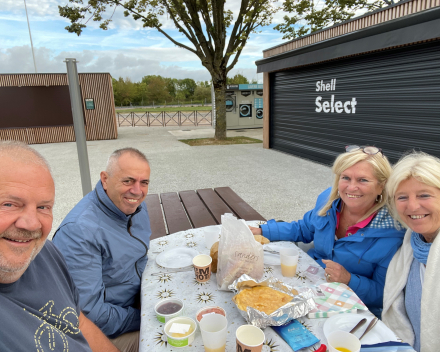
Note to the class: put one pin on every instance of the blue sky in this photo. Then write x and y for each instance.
(125, 50)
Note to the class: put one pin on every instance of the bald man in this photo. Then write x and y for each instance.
(38, 298)
(105, 240)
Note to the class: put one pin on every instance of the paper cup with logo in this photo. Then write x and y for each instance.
(212, 234)
(249, 338)
(289, 261)
(214, 328)
(202, 267)
(343, 341)
(180, 331)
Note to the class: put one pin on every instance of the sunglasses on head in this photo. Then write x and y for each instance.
(370, 150)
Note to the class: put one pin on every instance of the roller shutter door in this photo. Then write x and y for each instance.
(389, 99)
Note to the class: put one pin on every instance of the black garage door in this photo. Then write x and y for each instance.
(389, 99)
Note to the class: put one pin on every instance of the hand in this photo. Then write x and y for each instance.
(335, 272)
(256, 230)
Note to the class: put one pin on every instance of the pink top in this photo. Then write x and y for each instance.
(351, 230)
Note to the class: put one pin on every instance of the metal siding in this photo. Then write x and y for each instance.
(398, 104)
(100, 123)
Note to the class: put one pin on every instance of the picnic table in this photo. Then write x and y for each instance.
(157, 284)
(179, 211)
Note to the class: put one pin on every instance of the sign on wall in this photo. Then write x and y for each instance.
(90, 104)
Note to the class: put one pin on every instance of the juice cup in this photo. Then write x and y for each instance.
(214, 329)
(289, 261)
(342, 341)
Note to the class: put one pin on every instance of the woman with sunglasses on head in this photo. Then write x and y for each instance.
(412, 290)
(353, 233)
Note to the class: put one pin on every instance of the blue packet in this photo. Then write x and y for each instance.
(296, 335)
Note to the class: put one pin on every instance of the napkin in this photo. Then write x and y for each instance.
(296, 335)
(335, 298)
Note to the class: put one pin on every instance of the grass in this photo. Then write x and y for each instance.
(167, 109)
(213, 141)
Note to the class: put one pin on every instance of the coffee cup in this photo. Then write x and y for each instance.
(202, 267)
(249, 338)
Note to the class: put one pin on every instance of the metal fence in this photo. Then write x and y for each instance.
(164, 118)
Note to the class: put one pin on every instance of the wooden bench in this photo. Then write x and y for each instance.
(173, 212)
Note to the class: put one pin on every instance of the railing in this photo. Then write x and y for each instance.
(164, 118)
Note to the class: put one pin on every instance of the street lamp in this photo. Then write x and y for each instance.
(30, 36)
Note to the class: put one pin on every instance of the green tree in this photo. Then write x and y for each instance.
(205, 24)
(310, 15)
(237, 79)
(186, 88)
(202, 92)
(158, 90)
(124, 91)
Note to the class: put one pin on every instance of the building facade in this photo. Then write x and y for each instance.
(373, 80)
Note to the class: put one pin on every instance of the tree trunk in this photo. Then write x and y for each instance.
(219, 82)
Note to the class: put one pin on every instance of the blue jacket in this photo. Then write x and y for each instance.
(106, 253)
(366, 254)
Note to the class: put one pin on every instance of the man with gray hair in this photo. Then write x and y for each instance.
(105, 240)
(38, 298)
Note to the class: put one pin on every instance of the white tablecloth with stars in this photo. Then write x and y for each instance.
(184, 286)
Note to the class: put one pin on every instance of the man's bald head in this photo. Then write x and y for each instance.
(112, 163)
(22, 153)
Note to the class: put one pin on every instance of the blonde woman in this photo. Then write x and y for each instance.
(353, 233)
(412, 289)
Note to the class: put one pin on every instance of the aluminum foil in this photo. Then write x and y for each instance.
(300, 305)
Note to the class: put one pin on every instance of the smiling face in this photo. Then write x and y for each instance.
(127, 184)
(418, 205)
(27, 195)
(359, 188)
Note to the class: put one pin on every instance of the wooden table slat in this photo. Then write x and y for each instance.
(196, 210)
(214, 203)
(175, 215)
(156, 217)
(238, 205)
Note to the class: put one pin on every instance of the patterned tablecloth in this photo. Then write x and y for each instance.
(195, 295)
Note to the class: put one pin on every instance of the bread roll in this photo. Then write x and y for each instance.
(214, 256)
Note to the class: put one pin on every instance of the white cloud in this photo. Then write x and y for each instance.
(126, 49)
(131, 63)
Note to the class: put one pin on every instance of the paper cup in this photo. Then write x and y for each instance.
(161, 311)
(212, 235)
(289, 261)
(343, 341)
(173, 338)
(214, 328)
(202, 267)
(249, 338)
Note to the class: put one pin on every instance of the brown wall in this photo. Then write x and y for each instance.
(399, 10)
(100, 123)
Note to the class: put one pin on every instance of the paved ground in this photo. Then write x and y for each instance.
(276, 184)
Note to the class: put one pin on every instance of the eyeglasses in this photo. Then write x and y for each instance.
(370, 150)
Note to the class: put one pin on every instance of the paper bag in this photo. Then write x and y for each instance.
(238, 253)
